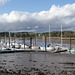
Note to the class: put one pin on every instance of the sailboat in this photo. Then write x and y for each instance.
(49, 47)
(21, 44)
(35, 47)
(5, 46)
(61, 47)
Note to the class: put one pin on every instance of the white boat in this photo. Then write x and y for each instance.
(16, 45)
(48, 47)
(22, 46)
(5, 49)
(59, 47)
(12, 45)
(62, 46)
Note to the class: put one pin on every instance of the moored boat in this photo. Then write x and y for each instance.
(22, 46)
(59, 47)
(34, 47)
(48, 47)
(72, 51)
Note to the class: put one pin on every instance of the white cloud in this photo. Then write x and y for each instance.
(39, 22)
(2, 2)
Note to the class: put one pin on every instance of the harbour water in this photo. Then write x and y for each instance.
(40, 41)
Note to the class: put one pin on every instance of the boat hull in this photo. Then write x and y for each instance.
(71, 51)
(47, 48)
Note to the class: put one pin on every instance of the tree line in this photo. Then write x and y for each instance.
(28, 34)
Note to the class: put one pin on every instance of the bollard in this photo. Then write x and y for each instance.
(24, 41)
(45, 41)
(30, 42)
(35, 40)
(70, 44)
(14, 38)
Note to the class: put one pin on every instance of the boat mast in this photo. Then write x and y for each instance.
(49, 33)
(9, 39)
(5, 39)
(61, 35)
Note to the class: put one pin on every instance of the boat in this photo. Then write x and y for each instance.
(34, 47)
(72, 51)
(49, 47)
(3, 48)
(12, 44)
(16, 45)
(59, 47)
(22, 46)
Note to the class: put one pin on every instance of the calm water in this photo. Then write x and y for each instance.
(40, 41)
(54, 42)
(37, 63)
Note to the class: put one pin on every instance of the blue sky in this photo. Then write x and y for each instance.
(32, 5)
(37, 15)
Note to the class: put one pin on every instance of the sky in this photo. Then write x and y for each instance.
(37, 15)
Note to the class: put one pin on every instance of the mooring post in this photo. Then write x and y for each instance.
(24, 40)
(30, 42)
(70, 44)
(35, 39)
(14, 38)
(45, 41)
(0, 39)
(0, 42)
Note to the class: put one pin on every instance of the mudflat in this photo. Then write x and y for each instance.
(37, 63)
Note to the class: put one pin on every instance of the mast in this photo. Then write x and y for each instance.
(61, 35)
(5, 39)
(9, 39)
(49, 33)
